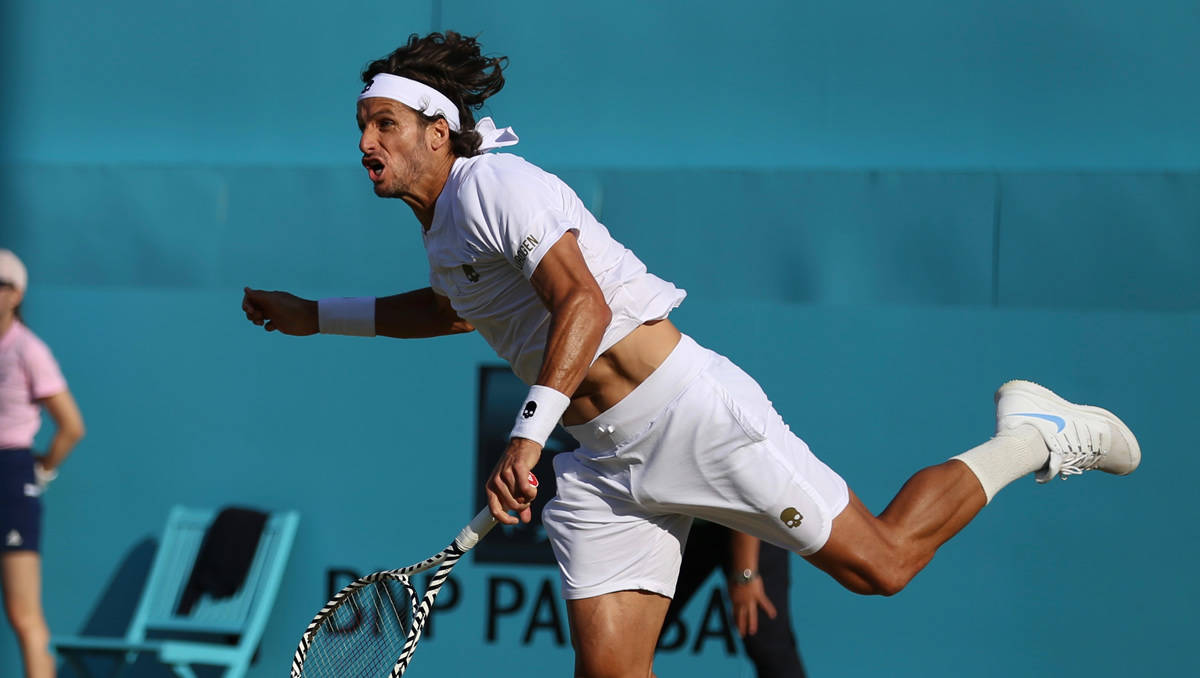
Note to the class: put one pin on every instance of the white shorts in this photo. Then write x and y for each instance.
(698, 438)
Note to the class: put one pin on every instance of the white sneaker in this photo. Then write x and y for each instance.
(1080, 437)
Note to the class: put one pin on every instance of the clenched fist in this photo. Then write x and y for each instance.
(281, 311)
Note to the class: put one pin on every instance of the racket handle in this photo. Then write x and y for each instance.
(481, 524)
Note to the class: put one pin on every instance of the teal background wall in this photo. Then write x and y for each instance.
(881, 211)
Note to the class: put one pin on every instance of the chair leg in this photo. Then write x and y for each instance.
(77, 664)
(237, 670)
(183, 670)
(123, 663)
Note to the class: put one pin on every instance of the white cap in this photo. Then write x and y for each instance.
(12, 270)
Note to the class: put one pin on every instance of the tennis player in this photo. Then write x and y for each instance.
(30, 379)
(668, 430)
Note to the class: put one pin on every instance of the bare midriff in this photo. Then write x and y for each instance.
(620, 369)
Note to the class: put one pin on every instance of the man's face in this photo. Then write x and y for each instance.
(394, 146)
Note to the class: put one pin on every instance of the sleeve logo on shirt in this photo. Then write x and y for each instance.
(471, 273)
(528, 245)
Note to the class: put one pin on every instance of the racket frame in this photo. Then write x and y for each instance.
(445, 561)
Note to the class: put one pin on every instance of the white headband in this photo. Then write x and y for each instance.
(425, 99)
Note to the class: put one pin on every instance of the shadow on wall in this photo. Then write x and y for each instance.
(114, 610)
(113, 613)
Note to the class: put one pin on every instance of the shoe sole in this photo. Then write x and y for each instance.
(1039, 391)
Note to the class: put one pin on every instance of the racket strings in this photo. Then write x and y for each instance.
(364, 635)
(371, 628)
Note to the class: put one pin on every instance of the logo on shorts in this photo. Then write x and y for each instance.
(13, 539)
(791, 517)
(530, 408)
(472, 274)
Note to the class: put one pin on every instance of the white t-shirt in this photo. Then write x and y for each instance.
(495, 219)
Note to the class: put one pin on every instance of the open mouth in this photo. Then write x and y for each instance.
(374, 168)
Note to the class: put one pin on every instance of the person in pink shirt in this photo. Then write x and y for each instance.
(30, 379)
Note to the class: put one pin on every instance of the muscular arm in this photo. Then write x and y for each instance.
(417, 314)
(578, 317)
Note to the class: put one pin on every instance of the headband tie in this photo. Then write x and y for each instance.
(427, 100)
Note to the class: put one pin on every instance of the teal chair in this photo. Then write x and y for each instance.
(217, 632)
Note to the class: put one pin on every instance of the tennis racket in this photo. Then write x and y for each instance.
(370, 628)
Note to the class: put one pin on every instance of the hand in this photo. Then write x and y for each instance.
(281, 311)
(746, 599)
(43, 475)
(509, 487)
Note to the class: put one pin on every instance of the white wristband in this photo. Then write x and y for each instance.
(354, 316)
(543, 408)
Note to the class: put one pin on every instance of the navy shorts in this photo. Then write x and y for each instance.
(20, 503)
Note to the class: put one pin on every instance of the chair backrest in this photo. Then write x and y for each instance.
(244, 614)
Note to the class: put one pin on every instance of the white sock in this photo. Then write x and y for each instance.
(1006, 457)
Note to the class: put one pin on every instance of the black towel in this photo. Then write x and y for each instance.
(224, 557)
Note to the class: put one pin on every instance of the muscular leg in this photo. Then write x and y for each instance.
(22, 579)
(614, 634)
(880, 555)
(1036, 431)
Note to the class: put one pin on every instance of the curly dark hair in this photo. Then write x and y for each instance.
(453, 65)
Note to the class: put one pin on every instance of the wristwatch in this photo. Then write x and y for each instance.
(745, 576)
